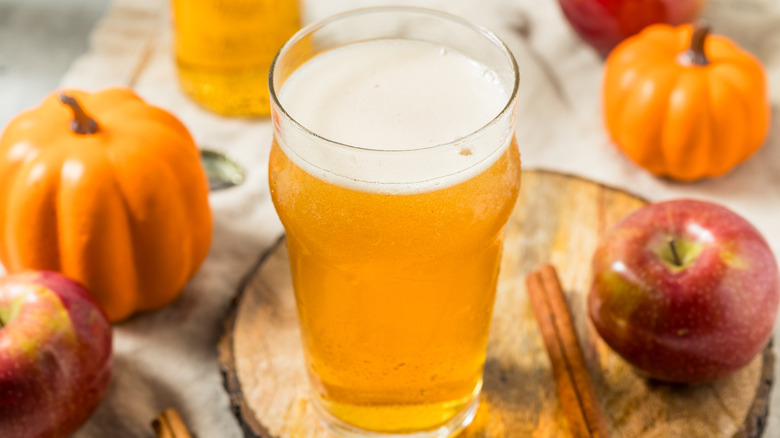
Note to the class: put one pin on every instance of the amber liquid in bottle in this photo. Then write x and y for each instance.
(224, 49)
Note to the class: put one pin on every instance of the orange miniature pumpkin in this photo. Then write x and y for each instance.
(118, 202)
(683, 104)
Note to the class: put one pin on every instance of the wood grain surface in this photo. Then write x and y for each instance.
(558, 219)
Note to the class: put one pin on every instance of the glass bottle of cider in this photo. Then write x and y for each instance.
(224, 49)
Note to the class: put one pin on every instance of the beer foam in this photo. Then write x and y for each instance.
(395, 95)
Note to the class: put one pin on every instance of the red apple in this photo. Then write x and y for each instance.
(605, 23)
(686, 291)
(55, 355)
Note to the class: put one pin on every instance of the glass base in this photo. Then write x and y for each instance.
(446, 430)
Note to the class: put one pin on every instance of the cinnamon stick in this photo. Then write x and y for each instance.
(575, 388)
(169, 424)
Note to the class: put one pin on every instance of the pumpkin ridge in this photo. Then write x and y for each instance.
(626, 59)
(131, 300)
(664, 107)
(701, 157)
(620, 102)
(725, 51)
(654, 39)
(737, 108)
(735, 154)
(726, 76)
(711, 156)
(188, 252)
(726, 73)
(667, 156)
(197, 242)
(19, 204)
(7, 181)
(685, 158)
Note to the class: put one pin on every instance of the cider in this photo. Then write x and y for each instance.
(394, 291)
(224, 50)
(394, 211)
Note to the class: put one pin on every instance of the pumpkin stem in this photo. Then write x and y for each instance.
(81, 123)
(695, 54)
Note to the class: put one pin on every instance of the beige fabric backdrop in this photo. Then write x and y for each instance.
(168, 358)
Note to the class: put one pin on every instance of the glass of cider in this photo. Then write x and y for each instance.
(224, 50)
(394, 169)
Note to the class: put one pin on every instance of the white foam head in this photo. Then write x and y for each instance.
(395, 116)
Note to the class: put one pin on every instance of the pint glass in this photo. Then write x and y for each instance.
(394, 170)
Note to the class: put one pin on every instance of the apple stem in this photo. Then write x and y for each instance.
(81, 123)
(675, 254)
(695, 54)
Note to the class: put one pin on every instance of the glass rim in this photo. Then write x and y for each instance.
(310, 28)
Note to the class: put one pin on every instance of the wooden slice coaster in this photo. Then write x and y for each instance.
(558, 219)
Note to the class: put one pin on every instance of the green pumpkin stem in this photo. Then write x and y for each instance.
(695, 53)
(82, 123)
